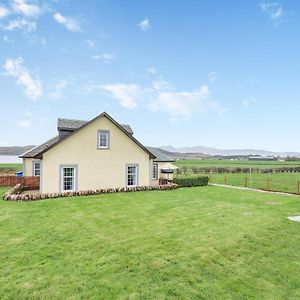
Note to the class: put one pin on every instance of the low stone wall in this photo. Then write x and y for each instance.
(14, 191)
(14, 194)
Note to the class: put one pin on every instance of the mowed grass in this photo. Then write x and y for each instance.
(190, 243)
(215, 163)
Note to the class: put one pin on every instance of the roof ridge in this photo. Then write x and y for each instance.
(85, 121)
(103, 114)
(40, 145)
(72, 119)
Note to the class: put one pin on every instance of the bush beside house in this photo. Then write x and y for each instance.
(191, 181)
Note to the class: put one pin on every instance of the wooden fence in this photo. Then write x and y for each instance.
(29, 182)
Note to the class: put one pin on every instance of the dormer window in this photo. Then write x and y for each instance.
(103, 139)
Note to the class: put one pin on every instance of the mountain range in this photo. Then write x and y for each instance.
(180, 152)
(226, 152)
(15, 150)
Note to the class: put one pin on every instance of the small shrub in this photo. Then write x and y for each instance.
(184, 170)
(195, 170)
(191, 181)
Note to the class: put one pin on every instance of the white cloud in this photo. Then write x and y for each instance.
(91, 44)
(22, 24)
(32, 87)
(28, 10)
(184, 104)
(144, 24)
(212, 76)
(126, 94)
(104, 57)
(57, 89)
(162, 85)
(248, 102)
(163, 97)
(64, 50)
(272, 9)
(70, 23)
(24, 123)
(3, 11)
(7, 40)
(152, 70)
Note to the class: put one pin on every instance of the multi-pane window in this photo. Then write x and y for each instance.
(36, 168)
(155, 171)
(68, 178)
(132, 173)
(103, 139)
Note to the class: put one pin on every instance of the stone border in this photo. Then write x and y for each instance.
(14, 194)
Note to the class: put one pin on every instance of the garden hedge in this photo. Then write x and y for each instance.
(191, 181)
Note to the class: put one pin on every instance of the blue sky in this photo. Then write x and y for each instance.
(216, 73)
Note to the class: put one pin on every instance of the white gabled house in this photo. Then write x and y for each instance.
(100, 153)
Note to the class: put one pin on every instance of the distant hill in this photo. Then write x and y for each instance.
(201, 150)
(195, 152)
(179, 155)
(15, 150)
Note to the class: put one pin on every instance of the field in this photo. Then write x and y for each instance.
(10, 168)
(215, 163)
(191, 243)
(282, 182)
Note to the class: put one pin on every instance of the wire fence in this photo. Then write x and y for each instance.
(272, 181)
(267, 183)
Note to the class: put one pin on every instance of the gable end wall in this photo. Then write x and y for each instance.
(97, 168)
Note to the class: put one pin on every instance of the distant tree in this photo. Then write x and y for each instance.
(195, 170)
(184, 170)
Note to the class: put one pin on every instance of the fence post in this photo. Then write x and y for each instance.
(246, 181)
(225, 179)
(298, 187)
(268, 184)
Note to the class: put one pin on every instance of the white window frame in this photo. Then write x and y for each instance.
(34, 169)
(107, 137)
(135, 183)
(74, 177)
(155, 171)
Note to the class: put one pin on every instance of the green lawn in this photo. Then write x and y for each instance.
(209, 163)
(192, 243)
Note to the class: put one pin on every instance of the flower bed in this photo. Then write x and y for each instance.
(14, 194)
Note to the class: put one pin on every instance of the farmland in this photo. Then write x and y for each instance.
(10, 168)
(259, 177)
(215, 163)
(191, 243)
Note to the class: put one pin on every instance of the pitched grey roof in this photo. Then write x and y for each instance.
(160, 156)
(36, 150)
(71, 125)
